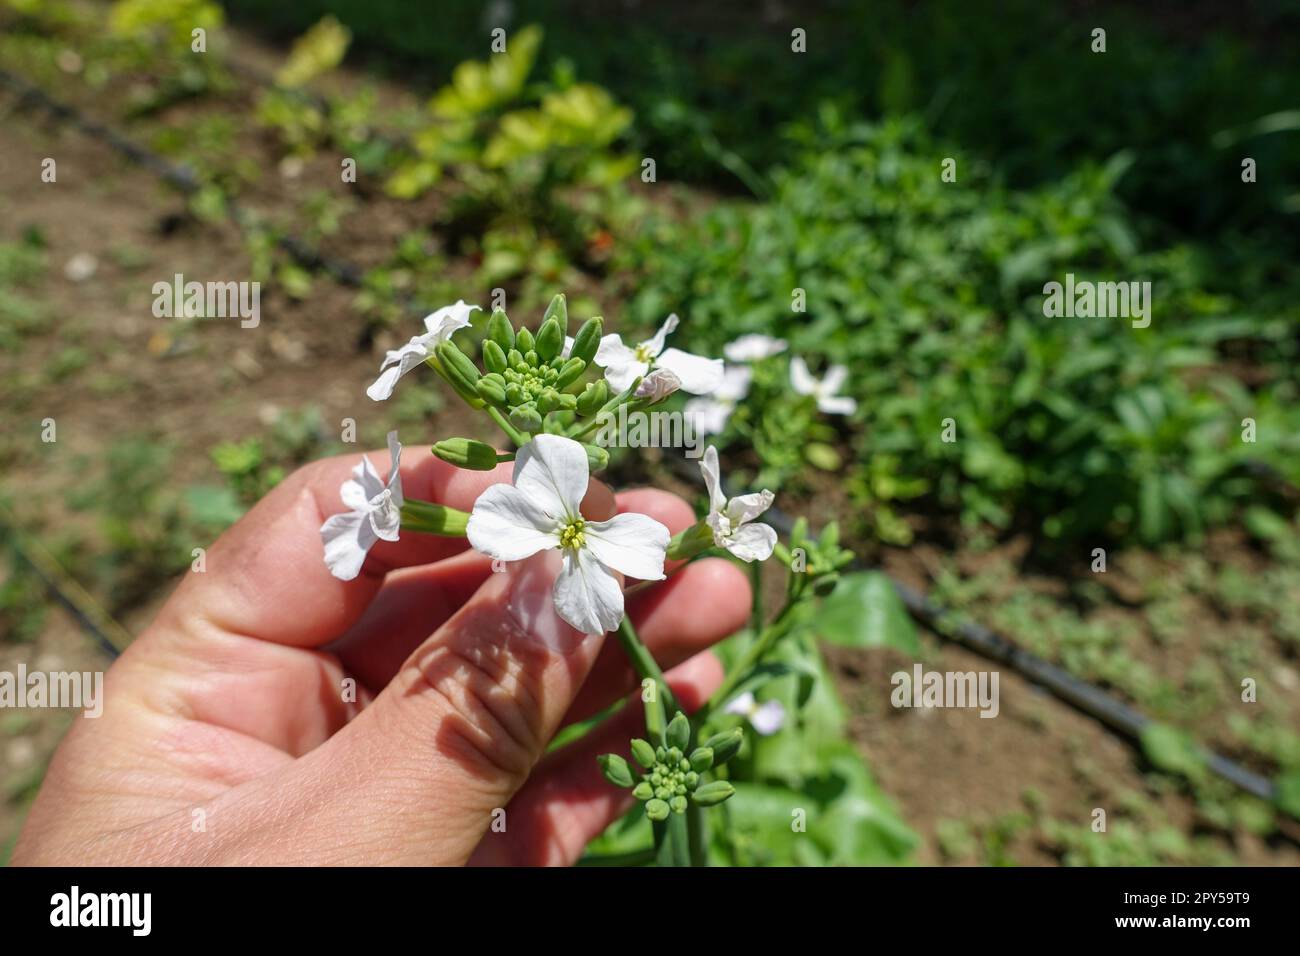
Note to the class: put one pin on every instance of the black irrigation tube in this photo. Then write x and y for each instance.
(1084, 697)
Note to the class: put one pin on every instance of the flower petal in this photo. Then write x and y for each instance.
(552, 471)
(699, 375)
(385, 517)
(801, 380)
(835, 378)
(752, 542)
(658, 385)
(347, 537)
(742, 705)
(612, 351)
(768, 717)
(713, 480)
(752, 348)
(744, 508)
(837, 405)
(506, 524)
(621, 376)
(397, 362)
(394, 474)
(708, 415)
(735, 383)
(587, 594)
(632, 543)
(655, 345)
(354, 495)
(365, 475)
(448, 319)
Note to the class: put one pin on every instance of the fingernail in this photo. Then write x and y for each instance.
(531, 604)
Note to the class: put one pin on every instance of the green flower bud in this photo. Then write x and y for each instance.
(643, 790)
(678, 734)
(524, 341)
(467, 453)
(711, 794)
(569, 372)
(548, 401)
(597, 457)
(461, 372)
(661, 753)
(616, 770)
(701, 759)
(493, 356)
(692, 780)
(643, 752)
(677, 804)
(515, 394)
(500, 330)
(526, 418)
(490, 391)
(515, 359)
(568, 402)
(725, 745)
(657, 810)
(559, 311)
(531, 358)
(592, 398)
(587, 340)
(550, 339)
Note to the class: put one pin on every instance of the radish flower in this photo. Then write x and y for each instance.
(376, 514)
(623, 364)
(539, 512)
(824, 390)
(439, 325)
(732, 522)
(766, 718)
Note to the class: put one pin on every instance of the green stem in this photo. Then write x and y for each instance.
(675, 848)
(756, 585)
(514, 434)
(751, 659)
(697, 834)
(644, 664)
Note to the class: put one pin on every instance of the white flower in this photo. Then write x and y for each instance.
(540, 512)
(731, 520)
(767, 718)
(751, 348)
(376, 514)
(81, 267)
(658, 385)
(622, 364)
(710, 413)
(823, 391)
(398, 362)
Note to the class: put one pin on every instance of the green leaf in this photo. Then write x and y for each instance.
(865, 611)
(1173, 750)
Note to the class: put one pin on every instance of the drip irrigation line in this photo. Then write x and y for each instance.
(1088, 699)
(176, 175)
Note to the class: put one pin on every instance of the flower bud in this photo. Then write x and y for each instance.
(524, 342)
(701, 759)
(587, 340)
(711, 794)
(677, 804)
(616, 770)
(461, 372)
(550, 339)
(643, 752)
(643, 790)
(657, 810)
(678, 734)
(490, 390)
(493, 356)
(569, 372)
(725, 745)
(467, 453)
(657, 386)
(526, 418)
(500, 331)
(548, 401)
(592, 398)
(559, 311)
(597, 457)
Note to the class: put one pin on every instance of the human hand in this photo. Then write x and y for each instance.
(227, 736)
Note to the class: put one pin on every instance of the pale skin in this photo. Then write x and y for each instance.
(228, 736)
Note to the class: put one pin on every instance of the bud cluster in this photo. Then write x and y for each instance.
(673, 773)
